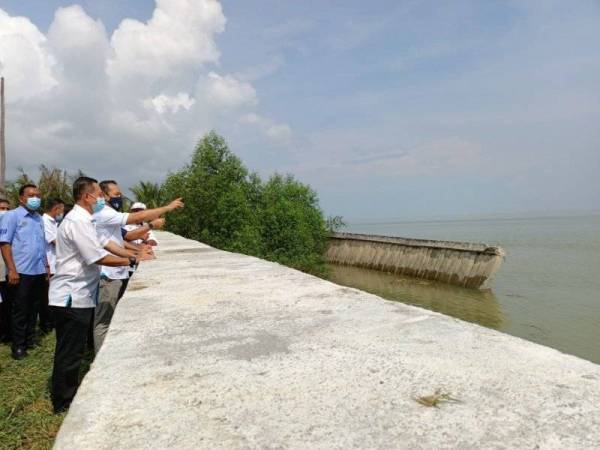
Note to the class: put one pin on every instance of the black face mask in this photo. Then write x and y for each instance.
(116, 202)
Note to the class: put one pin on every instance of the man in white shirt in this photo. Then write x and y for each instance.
(141, 233)
(74, 288)
(138, 234)
(55, 210)
(109, 222)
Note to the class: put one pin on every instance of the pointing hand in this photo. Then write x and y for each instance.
(175, 204)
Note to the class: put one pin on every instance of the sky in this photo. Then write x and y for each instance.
(389, 110)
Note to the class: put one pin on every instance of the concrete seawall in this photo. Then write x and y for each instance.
(214, 350)
(460, 263)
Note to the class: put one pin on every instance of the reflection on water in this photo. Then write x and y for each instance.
(472, 305)
(546, 290)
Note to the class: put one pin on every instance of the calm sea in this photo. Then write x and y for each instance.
(546, 291)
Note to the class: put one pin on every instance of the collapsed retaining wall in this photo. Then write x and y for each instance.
(215, 350)
(460, 263)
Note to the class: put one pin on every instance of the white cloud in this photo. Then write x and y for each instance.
(277, 132)
(226, 92)
(81, 98)
(178, 37)
(261, 70)
(73, 34)
(164, 103)
(24, 59)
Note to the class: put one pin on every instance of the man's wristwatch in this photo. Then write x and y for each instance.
(132, 261)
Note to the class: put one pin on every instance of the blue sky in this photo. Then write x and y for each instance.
(391, 110)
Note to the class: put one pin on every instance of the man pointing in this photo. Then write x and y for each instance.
(109, 222)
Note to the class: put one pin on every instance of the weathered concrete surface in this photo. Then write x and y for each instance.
(212, 350)
(464, 264)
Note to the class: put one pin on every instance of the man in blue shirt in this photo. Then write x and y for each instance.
(24, 251)
(5, 301)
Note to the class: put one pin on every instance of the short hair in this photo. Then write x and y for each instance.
(104, 185)
(26, 186)
(53, 202)
(3, 200)
(81, 186)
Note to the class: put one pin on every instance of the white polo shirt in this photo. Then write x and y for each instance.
(78, 247)
(108, 224)
(50, 230)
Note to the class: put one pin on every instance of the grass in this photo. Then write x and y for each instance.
(26, 417)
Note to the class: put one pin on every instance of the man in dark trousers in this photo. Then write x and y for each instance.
(55, 211)
(5, 300)
(73, 293)
(24, 252)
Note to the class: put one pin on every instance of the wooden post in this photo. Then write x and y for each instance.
(2, 141)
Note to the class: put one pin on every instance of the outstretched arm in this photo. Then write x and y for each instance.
(151, 214)
(116, 249)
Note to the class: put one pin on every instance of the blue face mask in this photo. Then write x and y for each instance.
(59, 217)
(99, 205)
(116, 203)
(34, 203)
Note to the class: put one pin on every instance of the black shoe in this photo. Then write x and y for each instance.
(62, 408)
(19, 353)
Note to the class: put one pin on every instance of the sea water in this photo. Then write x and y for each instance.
(547, 289)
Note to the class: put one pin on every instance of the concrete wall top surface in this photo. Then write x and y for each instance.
(215, 350)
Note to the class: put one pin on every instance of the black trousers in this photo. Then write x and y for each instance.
(5, 313)
(46, 322)
(72, 325)
(28, 294)
(124, 285)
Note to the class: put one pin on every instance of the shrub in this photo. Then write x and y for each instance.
(229, 208)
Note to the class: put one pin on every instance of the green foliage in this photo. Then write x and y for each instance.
(148, 193)
(229, 208)
(55, 183)
(12, 187)
(26, 417)
(52, 182)
(215, 187)
(335, 223)
(292, 224)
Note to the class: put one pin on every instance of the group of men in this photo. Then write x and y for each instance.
(70, 270)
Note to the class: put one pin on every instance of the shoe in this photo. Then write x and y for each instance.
(59, 409)
(19, 353)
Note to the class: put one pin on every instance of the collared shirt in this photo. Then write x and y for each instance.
(50, 229)
(78, 248)
(2, 264)
(24, 231)
(109, 223)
